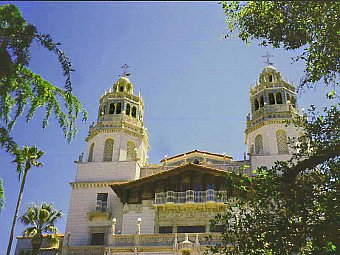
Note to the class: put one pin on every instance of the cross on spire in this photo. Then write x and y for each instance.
(267, 56)
(125, 68)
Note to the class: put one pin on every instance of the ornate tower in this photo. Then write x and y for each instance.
(119, 134)
(273, 101)
(117, 147)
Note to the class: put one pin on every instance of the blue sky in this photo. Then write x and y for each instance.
(195, 86)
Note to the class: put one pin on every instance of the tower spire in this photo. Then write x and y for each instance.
(267, 56)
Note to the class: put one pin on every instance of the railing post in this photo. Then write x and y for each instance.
(136, 240)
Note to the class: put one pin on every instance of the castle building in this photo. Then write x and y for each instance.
(121, 204)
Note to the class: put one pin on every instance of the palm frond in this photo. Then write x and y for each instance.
(2, 195)
(41, 220)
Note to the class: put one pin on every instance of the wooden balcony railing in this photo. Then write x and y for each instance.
(190, 196)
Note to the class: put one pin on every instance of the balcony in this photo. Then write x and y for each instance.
(190, 197)
(165, 243)
(159, 240)
(100, 211)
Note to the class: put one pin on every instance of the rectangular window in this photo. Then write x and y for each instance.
(165, 229)
(97, 238)
(101, 205)
(190, 229)
(102, 197)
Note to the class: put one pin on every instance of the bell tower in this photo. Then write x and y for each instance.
(117, 146)
(119, 134)
(272, 102)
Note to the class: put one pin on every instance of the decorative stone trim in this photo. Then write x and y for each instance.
(86, 185)
(257, 126)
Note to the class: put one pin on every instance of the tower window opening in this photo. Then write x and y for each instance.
(278, 98)
(105, 109)
(270, 78)
(288, 97)
(258, 145)
(134, 111)
(261, 102)
(108, 150)
(256, 104)
(119, 108)
(271, 98)
(128, 107)
(112, 108)
(90, 157)
(282, 143)
(121, 88)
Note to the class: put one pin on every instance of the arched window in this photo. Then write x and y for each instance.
(281, 139)
(105, 109)
(108, 150)
(256, 104)
(128, 109)
(271, 98)
(288, 97)
(90, 157)
(278, 98)
(112, 108)
(121, 88)
(270, 78)
(134, 111)
(119, 108)
(258, 145)
(131, 154)
(261, 101)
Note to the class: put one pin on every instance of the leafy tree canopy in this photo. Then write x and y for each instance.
(20, 87)
(276, 214)
(310, 26)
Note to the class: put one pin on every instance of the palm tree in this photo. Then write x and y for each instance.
(25, 159)
(41, 220)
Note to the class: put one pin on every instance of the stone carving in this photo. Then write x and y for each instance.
(81, 156)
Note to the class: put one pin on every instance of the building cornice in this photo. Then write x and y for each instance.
(85, 185)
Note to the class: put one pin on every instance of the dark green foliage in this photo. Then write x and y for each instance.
(320, 142)
(20, 87)
(312, 27)
(7, 142)
(294, 207)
